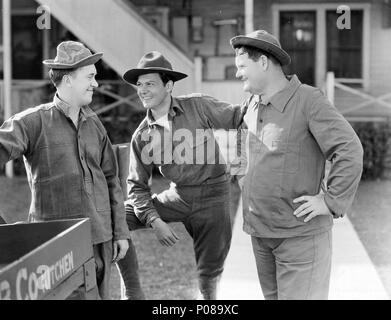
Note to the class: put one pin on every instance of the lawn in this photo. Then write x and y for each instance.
(165, 273)
(169, 273)
(371, 218)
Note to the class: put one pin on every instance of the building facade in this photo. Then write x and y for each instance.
(352, 41)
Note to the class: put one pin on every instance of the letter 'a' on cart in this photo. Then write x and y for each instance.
(47, 260)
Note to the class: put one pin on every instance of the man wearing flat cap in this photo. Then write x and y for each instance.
(70, 162)
(176, 137)
(288, 210)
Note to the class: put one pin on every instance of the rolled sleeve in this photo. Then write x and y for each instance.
(110, 170)
(342, 147)
(139, 192)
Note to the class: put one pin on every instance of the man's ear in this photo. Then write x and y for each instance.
(66, 80)
(264, 61)
(170, 86)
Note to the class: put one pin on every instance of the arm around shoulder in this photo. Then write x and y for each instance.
(219, 114)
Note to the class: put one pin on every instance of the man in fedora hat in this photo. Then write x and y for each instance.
(70, 162)
(168, 139)
(288, 211)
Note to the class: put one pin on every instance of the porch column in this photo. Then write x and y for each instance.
(198, 76)
(330, 86)
(249, 15)
(7, 63)
(321, 49)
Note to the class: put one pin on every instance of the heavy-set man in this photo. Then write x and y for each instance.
(292, 130)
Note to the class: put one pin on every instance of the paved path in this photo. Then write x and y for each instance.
(353, 276)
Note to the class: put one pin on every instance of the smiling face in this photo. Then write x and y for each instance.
(82, 84)
(152, 91)
(251, 72)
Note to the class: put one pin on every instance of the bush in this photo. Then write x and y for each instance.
(376, 140)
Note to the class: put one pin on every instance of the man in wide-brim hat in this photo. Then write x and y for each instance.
(199, 194)
(292, 129)
(70, 161)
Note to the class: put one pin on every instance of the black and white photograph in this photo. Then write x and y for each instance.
(213, 152)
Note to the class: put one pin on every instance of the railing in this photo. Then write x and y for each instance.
(229, 90)
(332, 83)
(111, 88)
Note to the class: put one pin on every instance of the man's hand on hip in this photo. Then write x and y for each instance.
(313, 206)
(119, 249)
(166, 236)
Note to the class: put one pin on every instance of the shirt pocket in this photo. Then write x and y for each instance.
(286, 157)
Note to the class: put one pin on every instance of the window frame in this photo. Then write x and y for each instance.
(321, 36)
(45, 38)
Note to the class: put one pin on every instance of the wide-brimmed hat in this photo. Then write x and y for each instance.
(72, 55)
(265, 41)
(152, 62)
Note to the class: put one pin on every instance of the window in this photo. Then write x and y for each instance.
(344, 46)
(298, 38)
(346, 52)
(26, 48)
(386, 10)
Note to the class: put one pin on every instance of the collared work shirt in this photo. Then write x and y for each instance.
(162, 122)
(289, 140)
(187, 154)
(72, 171)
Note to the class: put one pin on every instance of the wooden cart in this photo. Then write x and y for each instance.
(48, 260)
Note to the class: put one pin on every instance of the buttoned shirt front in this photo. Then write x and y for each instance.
(289, 138)
(187, 154)
(72, 171)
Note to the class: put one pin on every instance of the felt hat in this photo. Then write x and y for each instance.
(265, 41)
(153, 62)
(72, 55)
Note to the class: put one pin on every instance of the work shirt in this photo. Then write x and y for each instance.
(72, 172)
(187, 154)
(289, 139)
